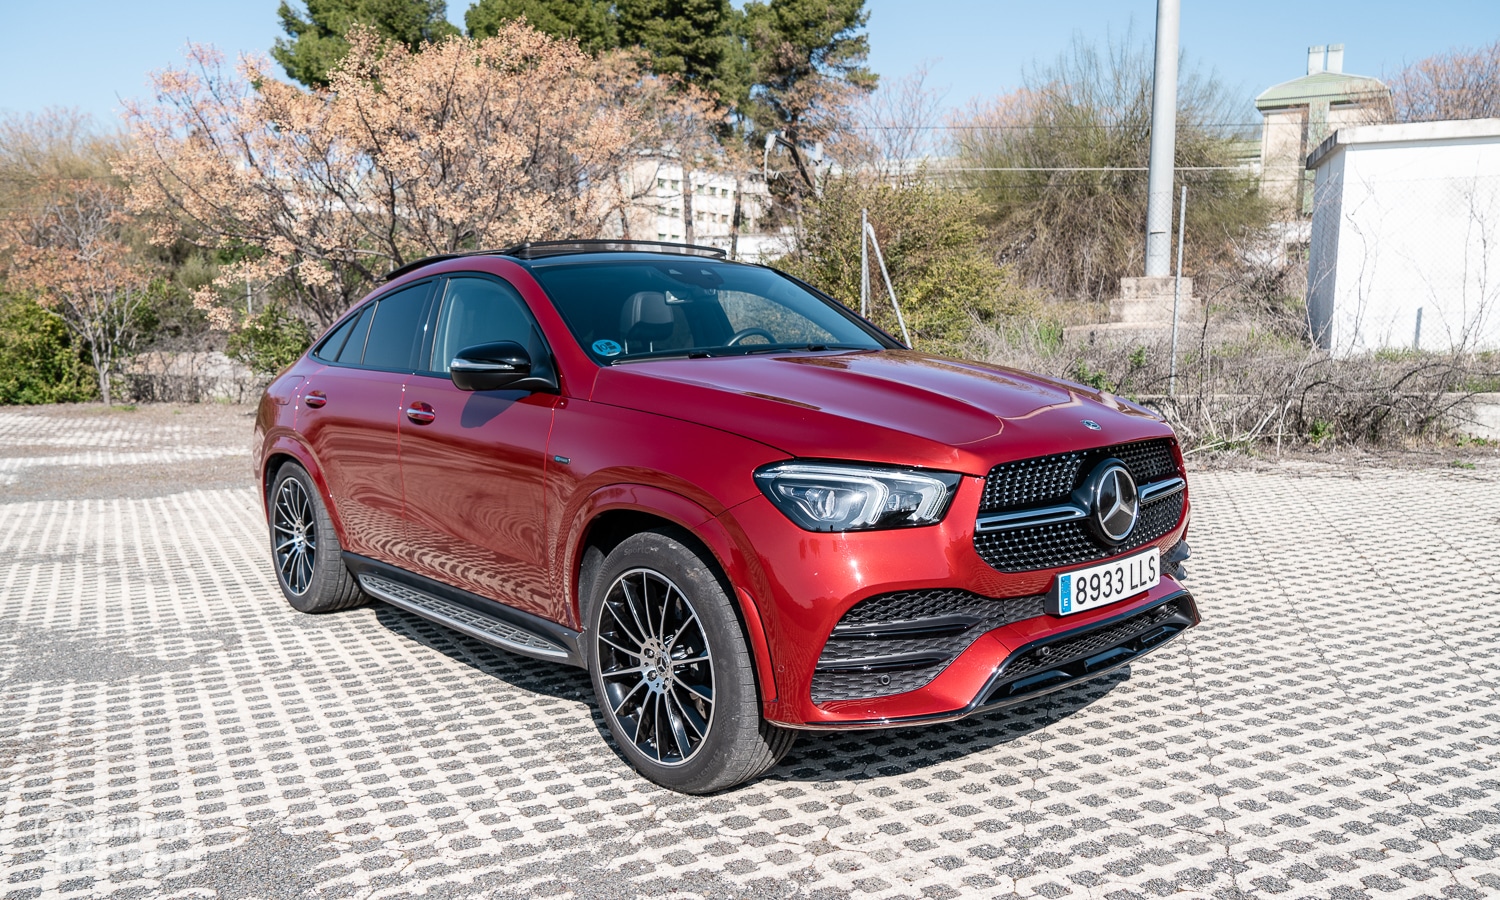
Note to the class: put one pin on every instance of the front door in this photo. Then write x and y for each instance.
(472, 462)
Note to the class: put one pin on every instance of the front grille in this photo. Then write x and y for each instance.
(1078, 656)
(899, 642)
(1048, 480)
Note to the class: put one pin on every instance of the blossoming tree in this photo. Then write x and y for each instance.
(70, 252)
(466, 144)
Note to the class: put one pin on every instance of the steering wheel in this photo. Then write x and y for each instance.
(748, 332)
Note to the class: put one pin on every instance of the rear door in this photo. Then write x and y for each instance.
(349, 413)
(473, 462)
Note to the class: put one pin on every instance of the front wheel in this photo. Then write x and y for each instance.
(671, 671)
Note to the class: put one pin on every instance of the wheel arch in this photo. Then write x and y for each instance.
(285, 449)
(614, 513)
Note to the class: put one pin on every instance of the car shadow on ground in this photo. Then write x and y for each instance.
(817, 756)
(535, 676)
(925, 749)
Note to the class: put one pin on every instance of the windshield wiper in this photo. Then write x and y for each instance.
(695, 353)
(814, 347)
(741, 350)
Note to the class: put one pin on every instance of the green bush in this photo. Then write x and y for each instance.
(945, 278)
(38, 361)
(270, 341)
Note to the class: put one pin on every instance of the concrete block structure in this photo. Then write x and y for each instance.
(1405, 247)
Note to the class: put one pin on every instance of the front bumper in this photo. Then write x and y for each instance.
(1060, 661)
(802, 584)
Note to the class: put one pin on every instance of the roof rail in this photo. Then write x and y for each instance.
(540, 249)
(416, 264)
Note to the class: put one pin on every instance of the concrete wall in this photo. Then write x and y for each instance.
(1406, 222)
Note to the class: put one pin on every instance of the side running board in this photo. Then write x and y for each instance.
(490, 629)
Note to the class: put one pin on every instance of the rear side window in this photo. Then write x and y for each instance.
(334, 343)
(354, 347)
(477, 311)
(396, 331)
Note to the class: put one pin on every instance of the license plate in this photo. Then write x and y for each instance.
(1101, 585)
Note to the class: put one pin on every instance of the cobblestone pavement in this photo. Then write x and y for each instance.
(169, 727)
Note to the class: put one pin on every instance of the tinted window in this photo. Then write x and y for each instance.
(332, 344)
(633, 308)
(354, 348)
(477, 311)
(397, 329)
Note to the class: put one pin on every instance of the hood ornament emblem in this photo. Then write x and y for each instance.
(1091, 425)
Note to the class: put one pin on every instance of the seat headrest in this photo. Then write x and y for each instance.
(646, 317)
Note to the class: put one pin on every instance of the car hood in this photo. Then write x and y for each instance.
(894, 406)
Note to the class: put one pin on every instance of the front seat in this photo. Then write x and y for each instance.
(645, 319)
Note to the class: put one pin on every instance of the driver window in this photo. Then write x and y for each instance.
(478, 311)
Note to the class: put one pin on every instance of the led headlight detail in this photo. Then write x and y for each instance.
(833, 497)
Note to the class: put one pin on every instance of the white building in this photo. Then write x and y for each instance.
(658, 211)
(1405, 247)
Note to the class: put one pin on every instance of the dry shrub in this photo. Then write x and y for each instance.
(1060, 168)
(1242, 383)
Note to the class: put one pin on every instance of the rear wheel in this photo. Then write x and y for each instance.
(305, 548)
(671, 671)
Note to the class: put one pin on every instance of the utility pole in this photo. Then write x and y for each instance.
(1163, 141)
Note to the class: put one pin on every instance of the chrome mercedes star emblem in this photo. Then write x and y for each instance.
(1091, 425)
(1114, 501)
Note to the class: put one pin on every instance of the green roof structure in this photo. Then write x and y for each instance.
(1329, 87)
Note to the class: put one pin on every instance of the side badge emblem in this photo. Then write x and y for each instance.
(1091, 425)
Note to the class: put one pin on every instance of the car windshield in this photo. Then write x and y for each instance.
(630, 309)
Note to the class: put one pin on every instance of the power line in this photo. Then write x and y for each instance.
(1081, 169)
(1038, 126)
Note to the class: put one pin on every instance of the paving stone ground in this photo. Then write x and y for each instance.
(170, 727)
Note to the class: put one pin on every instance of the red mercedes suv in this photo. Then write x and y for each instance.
(742, 508)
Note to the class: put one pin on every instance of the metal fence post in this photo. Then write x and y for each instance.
(1177, 293)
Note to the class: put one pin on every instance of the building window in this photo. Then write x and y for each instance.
(661, 182)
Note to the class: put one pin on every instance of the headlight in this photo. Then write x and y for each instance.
(833, 497)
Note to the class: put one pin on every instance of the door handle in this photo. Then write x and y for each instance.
(421, 413)
(315, 399)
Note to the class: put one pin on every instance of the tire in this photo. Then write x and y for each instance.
(305, 548)
(695, 727)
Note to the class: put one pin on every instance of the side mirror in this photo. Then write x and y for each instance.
(491, 367)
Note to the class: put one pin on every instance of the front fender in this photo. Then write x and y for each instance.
(732, 560)
(285, 442)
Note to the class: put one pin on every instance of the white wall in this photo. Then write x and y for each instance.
(1407, 218)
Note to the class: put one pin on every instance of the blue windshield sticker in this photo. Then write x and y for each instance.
(607, 348)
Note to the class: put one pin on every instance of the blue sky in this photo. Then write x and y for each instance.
(88, 53)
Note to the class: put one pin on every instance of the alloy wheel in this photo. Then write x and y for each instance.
(656, 667)
(295, 530)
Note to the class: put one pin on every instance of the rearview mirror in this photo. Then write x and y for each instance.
(491, 367)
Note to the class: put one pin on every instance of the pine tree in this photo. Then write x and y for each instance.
(590, 22)
(686, 38)
(315, 44)
(809, 58)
